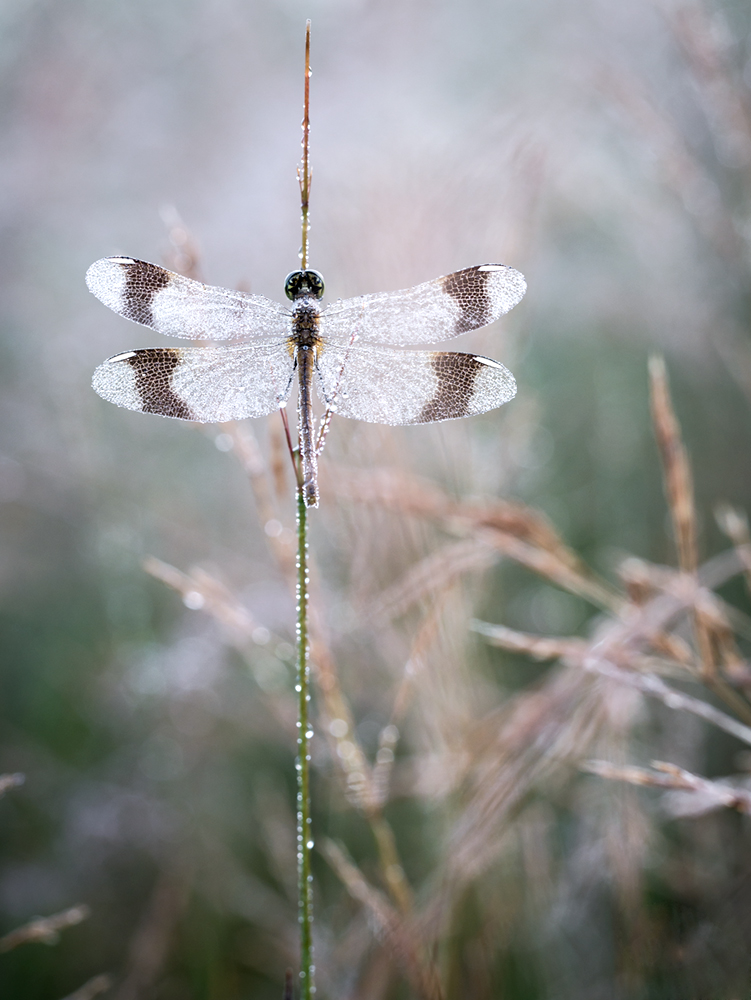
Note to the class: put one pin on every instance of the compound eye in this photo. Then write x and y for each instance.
(315, 282)
(292, 283)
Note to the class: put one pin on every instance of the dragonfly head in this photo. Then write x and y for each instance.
(300, 283)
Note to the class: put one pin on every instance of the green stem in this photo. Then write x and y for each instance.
(305, 173)
(304, 733)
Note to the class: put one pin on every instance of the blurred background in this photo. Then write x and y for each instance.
(147, 622)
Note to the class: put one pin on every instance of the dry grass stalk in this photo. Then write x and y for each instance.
(618, 647)
(512, 529)
(347, 751)
(724, 653)
(246, 448)
(429, 577)
(676, 468)
(387, 489)
(710, 794)
(486, 529)
(382, 769)
(611, 655)
(705, 43)
(365, 787)
(289, 989)
(182, 255)
(390, 862)
(426, 636)
(540, 731)
(512, 750)
(397, 934)
(710, 627)
(734, 524)
(8, 781)
(201, 590)
(655, 687)
(384, 761)
(536, 544)
(573, 650)
(536, 646)
(93, 988)
(45, 929)
(621, 644)
(552, 567)
(150, 945)
(504, 755)
(445, 704)
(681, 170)
(643, 581)
(409, 495)
(712, 617)
(657, 600)
(278, 459)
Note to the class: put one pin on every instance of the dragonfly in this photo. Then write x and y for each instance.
(351, 351)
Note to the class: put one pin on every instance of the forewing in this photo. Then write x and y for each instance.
(428, 313)
(384, 386)
(206, 384)
(180, 307)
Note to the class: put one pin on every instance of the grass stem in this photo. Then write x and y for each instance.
(304, 732)
(304, 838)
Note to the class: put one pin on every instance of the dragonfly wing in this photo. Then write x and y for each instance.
(180, 307)
(206, 384)
(428, 313)
(384, 386)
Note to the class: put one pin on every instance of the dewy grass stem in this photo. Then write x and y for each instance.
(304, 837)
(304, 173)
(304, 732)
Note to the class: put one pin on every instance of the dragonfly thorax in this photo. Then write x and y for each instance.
(305, 316)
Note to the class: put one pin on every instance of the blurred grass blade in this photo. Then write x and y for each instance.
(676, 469)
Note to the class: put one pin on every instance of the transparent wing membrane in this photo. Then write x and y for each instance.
(206, 384)
(357, 373)
(180, 307)
(385, 386)
(429, 313)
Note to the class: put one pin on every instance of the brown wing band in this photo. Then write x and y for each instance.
(142, 283)
(452, 371)
(153, 369)
(469, 290)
